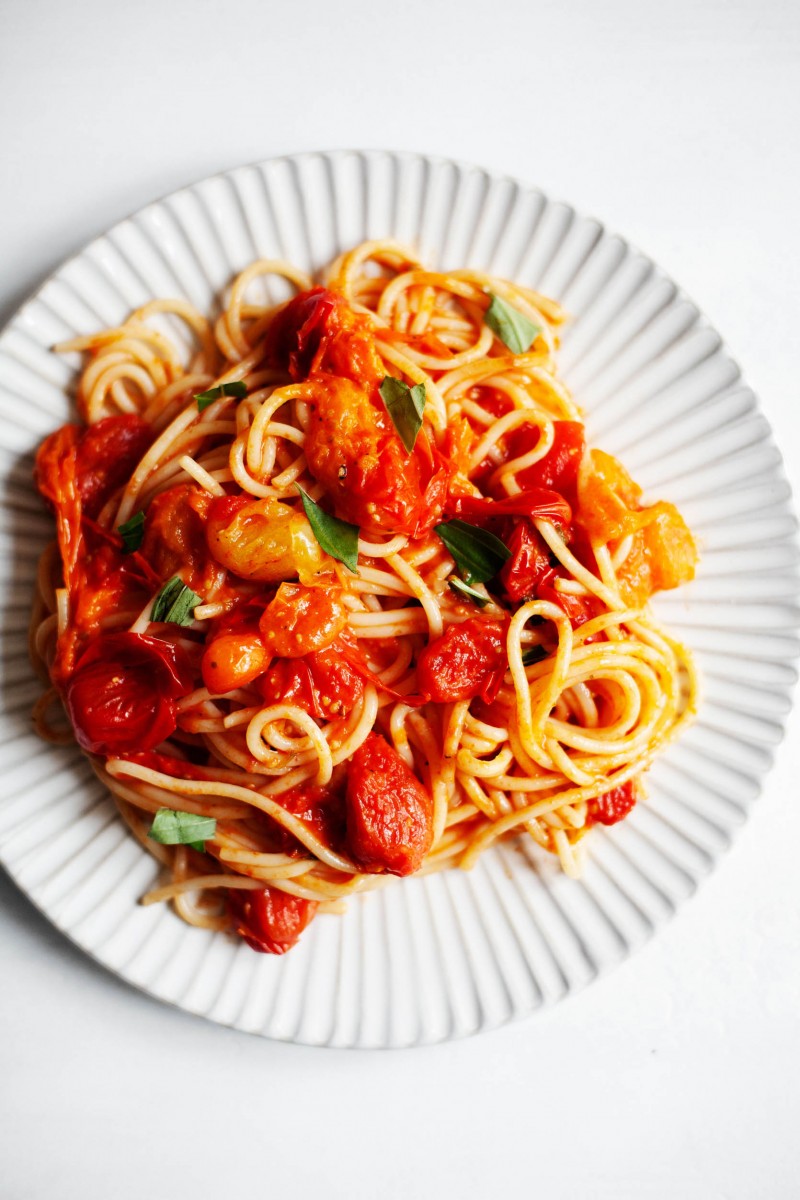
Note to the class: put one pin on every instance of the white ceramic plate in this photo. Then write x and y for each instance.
(427, 959)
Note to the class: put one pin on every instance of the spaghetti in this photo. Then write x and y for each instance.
(342, 594)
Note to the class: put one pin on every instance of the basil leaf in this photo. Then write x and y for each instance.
(478, 554)
(236, 387)
(405, 405)
(173, 828)
(175, 603)
(337, 538)
(463, 589)
(511, 326)
(533, 654)
(132, 532)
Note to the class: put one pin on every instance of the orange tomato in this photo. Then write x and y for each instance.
(302, 619)
(233, 660)
(262, 539)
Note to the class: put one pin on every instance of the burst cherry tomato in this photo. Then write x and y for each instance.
(324, 683)
(302, 619)
(121, 695)
(389, 812)
(108, 451)
(613, 806)
(269, 920)
(558, 469)
(467, 660)
(529, 564)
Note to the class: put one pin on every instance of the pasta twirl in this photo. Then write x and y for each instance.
(343, 594)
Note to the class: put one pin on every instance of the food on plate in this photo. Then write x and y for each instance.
(340, 592)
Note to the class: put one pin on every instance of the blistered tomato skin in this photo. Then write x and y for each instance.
(269, 920)
(121, 695)
(389, 812)
(468, 660)
(233, 660)
(262, 540)
(302, 619)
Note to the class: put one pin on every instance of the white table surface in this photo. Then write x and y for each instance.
(677, 124)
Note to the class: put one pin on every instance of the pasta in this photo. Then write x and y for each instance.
(339, 592)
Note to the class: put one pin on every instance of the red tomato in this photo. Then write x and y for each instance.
(302, 619)
(389, 812)
(233, 660)
(538, 504)
(579, 609)
(121, 695)
(529, 564)
(174, 536)
(324, 683)
(558, 470)
(467, 660)
(108, 452)
(614, 805)
(269, 920)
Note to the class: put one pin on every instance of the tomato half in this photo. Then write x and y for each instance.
(389, 812)
(325, 683)
(108, 451)
(121, 695)
(467, 660)
(302, 619)
(558, 470)
(529, 564)
(269, 920)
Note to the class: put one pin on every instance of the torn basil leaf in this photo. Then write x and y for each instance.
(236, 387)
(132, 532)
(175, 603)
(405, 405)
(478, 554)
(464, 590)
(173, 828)
(337, 538)
(511, 326)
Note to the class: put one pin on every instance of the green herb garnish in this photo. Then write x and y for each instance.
(463, 589)
(237, 388)
(405, 405)
(478, 554)
(132, 532)
(173, 828)
(175, 603)
(337, 538)
(533, 654)
(511, 326)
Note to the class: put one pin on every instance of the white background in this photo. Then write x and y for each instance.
(677, 124)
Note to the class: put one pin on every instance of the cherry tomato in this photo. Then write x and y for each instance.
(262, 539)
(389, 812)
(269, 920)
(579, 609)
(302, 619)
(108, 452)
(467, 660)
(529, 564)
(612, 806)
(233, 660)
(121, 695)
(558, 470)
(324, 683)
(174, 535)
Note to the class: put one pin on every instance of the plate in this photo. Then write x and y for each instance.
(440, 957)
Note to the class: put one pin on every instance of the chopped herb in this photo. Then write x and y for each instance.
(175, 603)
(463, 589)
(511, 326)
(132, 532)
(337, 538)
(533, 654)
(173, 828)
(236, 387)
(478, 554)
(405, 405)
